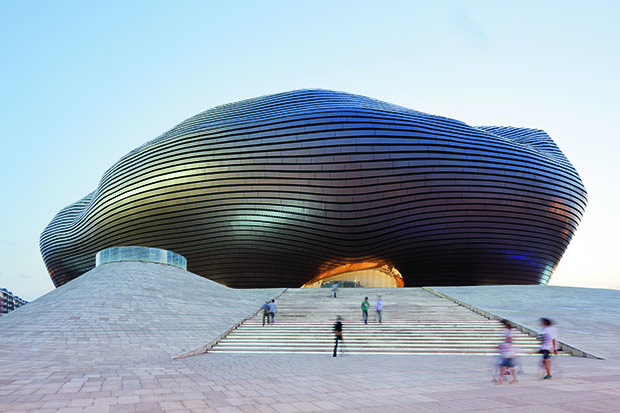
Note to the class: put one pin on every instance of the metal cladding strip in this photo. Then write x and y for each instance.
(276, 190)
(563, 346)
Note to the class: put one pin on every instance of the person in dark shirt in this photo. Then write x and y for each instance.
(337, 330)
(266, 313)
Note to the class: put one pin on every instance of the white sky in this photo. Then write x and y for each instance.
(84, 83)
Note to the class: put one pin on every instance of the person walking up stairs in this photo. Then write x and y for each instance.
(416, 322)
(365, 305)
(379, 307)
(266, 313)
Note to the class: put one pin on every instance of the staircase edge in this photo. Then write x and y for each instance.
(574, 351)
(205, 348)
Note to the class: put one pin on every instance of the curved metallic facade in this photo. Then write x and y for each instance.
(276, 190)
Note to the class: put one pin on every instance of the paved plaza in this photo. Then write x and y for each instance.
(292, 383)
(105, 342)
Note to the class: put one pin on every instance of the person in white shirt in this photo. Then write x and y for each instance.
(379, 307)
(507, 354)
(548, 335)
(507, 330)
(273, 310)
(335, 289)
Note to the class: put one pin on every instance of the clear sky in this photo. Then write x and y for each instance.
(83, 83)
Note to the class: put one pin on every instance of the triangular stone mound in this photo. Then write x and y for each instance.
(126, 311)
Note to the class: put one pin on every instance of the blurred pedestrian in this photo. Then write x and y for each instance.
(334, 288)
(548, 336)
(273, 310)
(379, 307)
(337, 330)
(507, 330)
(508, 355)
(266, 313)
(365, 305)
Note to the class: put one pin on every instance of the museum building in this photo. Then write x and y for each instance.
(308, 187)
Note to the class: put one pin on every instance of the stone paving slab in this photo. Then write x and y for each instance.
(128, 309)
(108, 347)
(275, 383)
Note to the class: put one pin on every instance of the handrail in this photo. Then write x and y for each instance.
(205, 348)
(574, 351)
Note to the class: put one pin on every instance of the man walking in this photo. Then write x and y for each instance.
(365, 305)
(334, 288)
(266, 313)
(337, 330)
(379, 306)
(273, 310)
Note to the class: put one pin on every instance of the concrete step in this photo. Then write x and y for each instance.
(310, 350)
(415, 322)
(400, 341)
(466, 346)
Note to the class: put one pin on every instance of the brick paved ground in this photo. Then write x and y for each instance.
(104, 343)
(291, 383)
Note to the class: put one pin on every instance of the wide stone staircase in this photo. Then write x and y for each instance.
(414, 322)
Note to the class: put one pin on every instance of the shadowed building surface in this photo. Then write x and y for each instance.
(283, 189)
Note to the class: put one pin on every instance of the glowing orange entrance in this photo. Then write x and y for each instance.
(361, 274)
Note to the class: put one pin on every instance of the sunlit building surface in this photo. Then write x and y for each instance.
(312, 186)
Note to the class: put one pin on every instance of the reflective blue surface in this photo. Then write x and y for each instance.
(276, 190)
